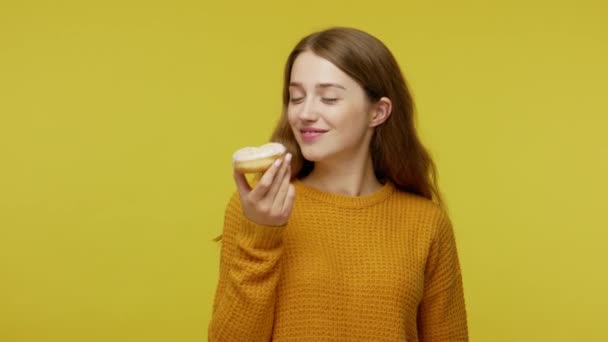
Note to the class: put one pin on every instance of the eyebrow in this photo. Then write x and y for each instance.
(320, 85)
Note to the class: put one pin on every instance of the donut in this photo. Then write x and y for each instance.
(257, 159)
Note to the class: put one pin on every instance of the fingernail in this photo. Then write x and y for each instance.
(277, 162)
(288, 157)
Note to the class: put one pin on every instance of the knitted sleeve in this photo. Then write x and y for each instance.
(243, 308)
(442, 314)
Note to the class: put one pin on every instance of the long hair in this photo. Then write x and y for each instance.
(396, 150)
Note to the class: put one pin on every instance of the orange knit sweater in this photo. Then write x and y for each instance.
(380, 267)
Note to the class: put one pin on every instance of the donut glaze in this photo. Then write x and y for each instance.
(257, 159)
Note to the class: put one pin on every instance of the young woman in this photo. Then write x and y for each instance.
(346, 238)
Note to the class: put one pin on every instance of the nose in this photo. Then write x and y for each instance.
(308, 111)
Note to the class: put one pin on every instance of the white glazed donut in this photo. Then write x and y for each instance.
(257, 159)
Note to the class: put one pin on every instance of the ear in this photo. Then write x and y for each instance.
(381, 110)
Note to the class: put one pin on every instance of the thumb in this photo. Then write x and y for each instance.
(241, 183)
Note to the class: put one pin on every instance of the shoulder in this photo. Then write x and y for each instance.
(417, 204)
(423, 211)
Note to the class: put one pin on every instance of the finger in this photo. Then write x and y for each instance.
(289, 199)
(241, 183)
(276, 183)
(279, 198)
(263, 186)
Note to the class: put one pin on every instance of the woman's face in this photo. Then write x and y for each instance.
(328, 111)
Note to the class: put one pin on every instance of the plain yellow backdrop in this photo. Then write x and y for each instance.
(118, 120)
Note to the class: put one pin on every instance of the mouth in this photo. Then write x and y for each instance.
(311, 134)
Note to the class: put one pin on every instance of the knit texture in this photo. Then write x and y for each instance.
(380, 267)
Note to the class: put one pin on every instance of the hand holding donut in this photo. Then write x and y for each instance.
(271, 200)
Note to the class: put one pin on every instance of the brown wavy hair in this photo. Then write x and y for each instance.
(397, 153)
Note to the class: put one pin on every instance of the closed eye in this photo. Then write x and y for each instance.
(329, 100)
(296, 100)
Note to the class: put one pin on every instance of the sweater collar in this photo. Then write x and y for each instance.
(341, 200)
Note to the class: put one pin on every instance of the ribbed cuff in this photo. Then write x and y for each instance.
(260, 236)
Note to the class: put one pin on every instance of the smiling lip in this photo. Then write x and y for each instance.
(311, 134)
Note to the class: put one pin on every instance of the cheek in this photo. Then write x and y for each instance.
(353, 119)
(292, 121)
(291, 118)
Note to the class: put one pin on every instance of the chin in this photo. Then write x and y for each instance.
(309, 155)
(313, 154)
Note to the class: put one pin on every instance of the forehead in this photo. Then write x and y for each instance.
(310, 69)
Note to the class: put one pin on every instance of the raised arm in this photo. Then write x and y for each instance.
(250, 258)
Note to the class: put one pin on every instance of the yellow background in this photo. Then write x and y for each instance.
(118, 120)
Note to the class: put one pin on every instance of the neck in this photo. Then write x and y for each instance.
(353, 178)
